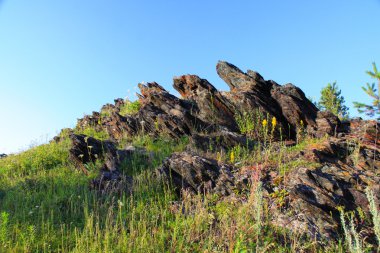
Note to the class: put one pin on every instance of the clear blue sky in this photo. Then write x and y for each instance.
(61, 59)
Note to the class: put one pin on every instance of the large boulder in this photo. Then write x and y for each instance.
(188, 171)
(86, 150)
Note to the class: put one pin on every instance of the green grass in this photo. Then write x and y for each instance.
(47, 206)
(92, 132)
(130, 108)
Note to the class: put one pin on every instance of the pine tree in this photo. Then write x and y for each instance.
(374, 108)
(332, 100)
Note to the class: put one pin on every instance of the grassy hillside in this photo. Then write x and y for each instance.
(46, 204)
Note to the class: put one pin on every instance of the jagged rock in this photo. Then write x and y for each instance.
(93, 121)
(327, 124)
(119, 127)
(236, 79)
(219, 141)
(315, 194)
(250, 94)
(294, 106)
(163, 113)
(347, 162)
(288, 104)
(197, 174)
(204, 109)
(346, 169)
(368, 131)
(213, 107)
(86, 149)
(110, 179)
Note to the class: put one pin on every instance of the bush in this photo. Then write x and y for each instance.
(130, 108)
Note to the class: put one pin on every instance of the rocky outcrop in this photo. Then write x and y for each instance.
(307, 199)
(204, 109)
(334, 173)
(212, 107)
(219, 141)
(3, 156)
(188, 171)
(85, 150)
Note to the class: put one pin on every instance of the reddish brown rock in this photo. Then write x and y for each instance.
(212, 107)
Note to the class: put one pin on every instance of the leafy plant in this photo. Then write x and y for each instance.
(130, 108)
(374, 212)
(93, 132)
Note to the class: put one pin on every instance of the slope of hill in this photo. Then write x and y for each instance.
(258, 168)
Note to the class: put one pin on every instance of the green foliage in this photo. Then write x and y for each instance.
(332, 100)
(375, 213)
(256, 125)
(374, 108)
(352, 237)
(92, 132)
(43, 157)
(47, 206)
(105, 112)
(130, 108)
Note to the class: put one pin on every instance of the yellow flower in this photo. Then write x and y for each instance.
(232, 157)
(274, 122)
(265, 123)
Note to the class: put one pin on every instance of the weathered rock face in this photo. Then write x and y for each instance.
(197, 174)
(348, 165)
(295, 107)
(249, 91)
(340, 171)
(212, 106)
(204, 109)
(347, 162)
(118, 126)
(219, 141)
(86, 149)
(326, 124)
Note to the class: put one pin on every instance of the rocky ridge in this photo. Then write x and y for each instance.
(345, 162)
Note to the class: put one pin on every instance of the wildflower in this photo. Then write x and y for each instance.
(265, 123)
(232, 157)
(80, 156)
(274, 122)
(120, 203)
(156, 125)
(218, 157)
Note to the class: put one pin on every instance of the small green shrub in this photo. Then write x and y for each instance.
(92, 132)
(130, 108)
